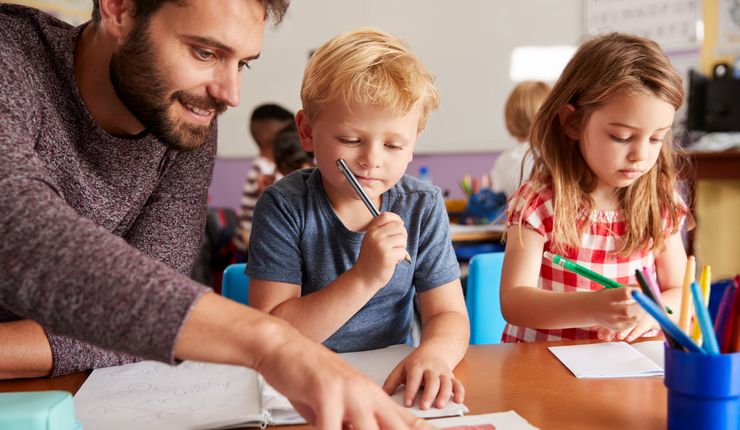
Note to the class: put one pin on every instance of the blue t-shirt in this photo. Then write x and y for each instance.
(298, 239)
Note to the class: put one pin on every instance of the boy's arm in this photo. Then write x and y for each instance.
(337, 302)
(526, 305)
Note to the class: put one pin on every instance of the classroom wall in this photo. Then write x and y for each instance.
(446, 171)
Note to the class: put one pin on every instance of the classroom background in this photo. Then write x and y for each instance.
(478, 51)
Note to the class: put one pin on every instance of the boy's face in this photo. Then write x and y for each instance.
(183, 67)
(376, 145)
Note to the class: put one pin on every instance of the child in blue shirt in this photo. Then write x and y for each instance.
(319, 259)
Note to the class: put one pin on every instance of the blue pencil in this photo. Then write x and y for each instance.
(705, 322)
(668, 326)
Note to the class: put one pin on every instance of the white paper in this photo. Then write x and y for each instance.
(153, 395)
(378, 364)
(194, 395)
(606, 360)
(509, 420)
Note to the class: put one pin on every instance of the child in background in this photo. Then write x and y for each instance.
(602, 194)
(319, 259)
(266, 121)
(289, 156)
(511, 167)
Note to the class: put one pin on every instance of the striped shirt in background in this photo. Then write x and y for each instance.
(250, 193)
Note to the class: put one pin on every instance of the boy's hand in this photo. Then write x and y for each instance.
(615, 309)
(426, 374)
(383, 247)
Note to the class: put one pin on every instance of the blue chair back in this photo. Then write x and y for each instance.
(235, 283)
(482, 298)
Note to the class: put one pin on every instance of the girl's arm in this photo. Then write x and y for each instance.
(670, 266)
(526, 305)
(444, 340)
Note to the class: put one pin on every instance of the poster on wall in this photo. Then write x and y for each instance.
(728, 33)
(74, 12)
(674, 24)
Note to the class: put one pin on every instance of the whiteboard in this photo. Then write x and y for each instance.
(466, 45)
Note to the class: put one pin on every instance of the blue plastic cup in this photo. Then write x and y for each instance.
(703, 390)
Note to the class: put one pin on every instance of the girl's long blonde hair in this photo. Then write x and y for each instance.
(604, 67)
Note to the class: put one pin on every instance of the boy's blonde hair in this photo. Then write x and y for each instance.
(369, 67)
(605, 67)
(522, 105)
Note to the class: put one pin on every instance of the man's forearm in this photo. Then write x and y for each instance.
(24, 350)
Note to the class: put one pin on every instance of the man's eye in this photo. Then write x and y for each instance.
(203, 54)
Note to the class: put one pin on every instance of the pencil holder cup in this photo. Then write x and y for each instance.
(703, 390)
(484, 207)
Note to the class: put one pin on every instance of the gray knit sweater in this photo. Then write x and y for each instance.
(96, 231)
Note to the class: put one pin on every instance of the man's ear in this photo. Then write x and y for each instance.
(305, 132)
(116, 17)
(570, 129)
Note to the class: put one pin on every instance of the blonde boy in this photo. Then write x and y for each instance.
(320, 260)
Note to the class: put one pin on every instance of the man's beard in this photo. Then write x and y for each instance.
(142, 89)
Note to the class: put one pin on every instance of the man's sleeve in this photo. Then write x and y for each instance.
(72, 276)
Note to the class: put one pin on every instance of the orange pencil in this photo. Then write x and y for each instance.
(684, 319)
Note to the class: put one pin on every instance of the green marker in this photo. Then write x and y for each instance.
(586, 273)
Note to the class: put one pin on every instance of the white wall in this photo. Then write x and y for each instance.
(466, 44)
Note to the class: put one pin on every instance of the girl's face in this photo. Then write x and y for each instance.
(621, 140)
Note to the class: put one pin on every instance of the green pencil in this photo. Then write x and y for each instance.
(586, 273)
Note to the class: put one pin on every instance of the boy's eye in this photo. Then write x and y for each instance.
(620, 139)
(393, 147)
(348, 141)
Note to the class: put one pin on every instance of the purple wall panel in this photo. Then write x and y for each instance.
(446, 171)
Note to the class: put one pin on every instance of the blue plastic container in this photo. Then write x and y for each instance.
(703, 390)
(38, 410)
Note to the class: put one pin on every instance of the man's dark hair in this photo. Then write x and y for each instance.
(143, 9)
(271, 111)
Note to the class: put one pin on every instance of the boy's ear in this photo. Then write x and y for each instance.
(116, 17)
(305, 132)
(563, 114)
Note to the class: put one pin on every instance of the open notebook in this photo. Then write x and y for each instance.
(195, 395)
(612, 359)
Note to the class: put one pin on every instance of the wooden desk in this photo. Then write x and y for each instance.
(477, 233)
(524, 377)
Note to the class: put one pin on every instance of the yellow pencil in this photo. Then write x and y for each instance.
(705, 282)
(684, 319)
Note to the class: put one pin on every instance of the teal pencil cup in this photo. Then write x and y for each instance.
(703, 390)
(38, 410)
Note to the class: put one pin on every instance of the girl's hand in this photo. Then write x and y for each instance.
(644, 325)
(425, 373)
(615, 309)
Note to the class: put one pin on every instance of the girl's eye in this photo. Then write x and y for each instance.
(619, 139)
(657, 139)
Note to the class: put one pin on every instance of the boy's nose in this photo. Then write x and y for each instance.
(372, 157)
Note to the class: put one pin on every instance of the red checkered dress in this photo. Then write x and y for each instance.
(595, 253)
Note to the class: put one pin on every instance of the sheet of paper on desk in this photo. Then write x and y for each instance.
(612, 359)
(193, 395)
(509, 420)
(377, 364)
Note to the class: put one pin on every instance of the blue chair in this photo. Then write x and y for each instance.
(235, 283)
(482, 299)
